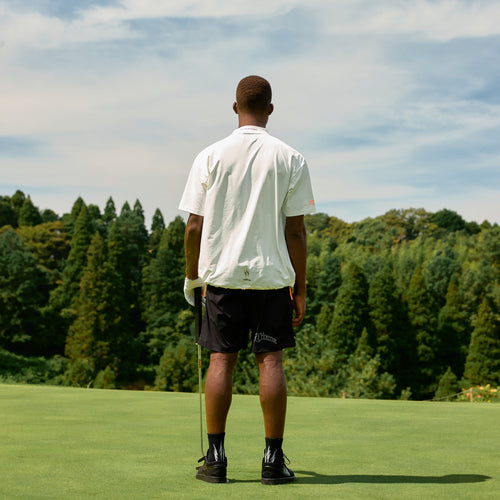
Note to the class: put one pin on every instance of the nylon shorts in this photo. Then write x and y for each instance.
(231, 315)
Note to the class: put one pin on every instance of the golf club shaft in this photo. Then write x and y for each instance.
(197, 324)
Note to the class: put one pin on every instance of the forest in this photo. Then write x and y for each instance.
(405, 305)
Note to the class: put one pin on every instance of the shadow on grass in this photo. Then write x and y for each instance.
(308, 477)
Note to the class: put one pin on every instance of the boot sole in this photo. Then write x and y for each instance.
(211, 479)
(277, 480)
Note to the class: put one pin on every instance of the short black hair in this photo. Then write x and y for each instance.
(253, 94)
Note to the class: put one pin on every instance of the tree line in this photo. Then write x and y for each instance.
(403, 305)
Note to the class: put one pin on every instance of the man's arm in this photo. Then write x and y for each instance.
(296, 241)
(192, 242)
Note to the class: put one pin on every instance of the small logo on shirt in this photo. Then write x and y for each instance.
(260, 336)
(311, 202)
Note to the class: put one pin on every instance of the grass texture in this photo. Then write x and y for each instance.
(64, 443)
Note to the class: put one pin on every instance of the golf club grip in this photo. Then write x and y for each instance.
(197, 312)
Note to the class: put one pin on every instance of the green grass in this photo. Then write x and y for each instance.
(77, 443)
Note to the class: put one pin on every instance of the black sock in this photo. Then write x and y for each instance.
(273, 449)
(215, 451)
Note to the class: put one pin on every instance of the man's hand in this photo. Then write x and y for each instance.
(190, 285)
(299, 306)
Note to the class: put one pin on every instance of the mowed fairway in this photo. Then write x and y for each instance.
(68, 443)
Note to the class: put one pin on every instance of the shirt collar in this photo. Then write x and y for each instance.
(251, 129)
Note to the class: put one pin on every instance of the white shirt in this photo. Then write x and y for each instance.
(245, 186)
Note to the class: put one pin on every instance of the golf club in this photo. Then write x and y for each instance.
(197, 329)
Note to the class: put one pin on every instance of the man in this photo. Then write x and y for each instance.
(245, 239)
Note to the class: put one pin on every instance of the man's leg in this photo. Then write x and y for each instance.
(272, 392)
(273, 402)
(218, 396)
(219, 390)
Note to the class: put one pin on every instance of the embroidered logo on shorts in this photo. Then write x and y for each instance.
(260, 336)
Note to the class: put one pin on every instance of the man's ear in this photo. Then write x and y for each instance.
(235, 107)
(270, 109)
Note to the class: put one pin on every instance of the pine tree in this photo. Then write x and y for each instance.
(126, 256)
(49, 215)
(422, 316)
(17, 201)
(350, 313)
(125, 208)
(438, 272)
(76, 208)
(323, 320)
(448, 386)
(162, 290)
(329, 278)
(157, 229)
(7, 213)
(64, 296)
(454, 329)
(163, 277)
(363, 377)
(109, 211)
(139, 210)
(158, 223)
(385, 317)
(29, 215)
(91, 342)
(483, 359)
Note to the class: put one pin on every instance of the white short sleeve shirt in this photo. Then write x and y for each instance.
(245, 186)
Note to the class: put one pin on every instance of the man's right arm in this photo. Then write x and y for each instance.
(192, 242)
(296, 241)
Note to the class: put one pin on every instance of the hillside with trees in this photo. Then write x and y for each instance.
(403, 305)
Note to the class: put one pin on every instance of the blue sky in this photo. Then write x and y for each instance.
(394, 104)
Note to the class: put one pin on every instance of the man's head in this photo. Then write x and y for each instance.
(253, 96)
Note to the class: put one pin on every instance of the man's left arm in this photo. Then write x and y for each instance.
(192, 243)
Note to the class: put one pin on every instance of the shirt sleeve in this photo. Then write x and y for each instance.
(299, 199)
(193, 198)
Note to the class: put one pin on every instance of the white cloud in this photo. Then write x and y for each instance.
(122, 108)
(439, 20)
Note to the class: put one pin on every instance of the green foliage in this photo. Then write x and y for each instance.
(64, 296)
(448, 219)
(49, 244)
(363, 377)
(109, 211)
(313, 367)
(448, 386)
(424, 288)
(16, 369)
(178, 368)
(385, 312)
(93, 336)
(7, 213)
(483, 359)
(29, 215)
(422, 316)
(163, 277)
(350, 313)
(454, 329)
(23, 291)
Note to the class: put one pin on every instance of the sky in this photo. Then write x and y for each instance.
(395, 104)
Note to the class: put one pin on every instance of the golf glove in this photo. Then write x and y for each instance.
(190, 285)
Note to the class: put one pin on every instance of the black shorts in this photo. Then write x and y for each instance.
(231, 314)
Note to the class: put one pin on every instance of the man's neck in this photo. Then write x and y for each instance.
(252, 120)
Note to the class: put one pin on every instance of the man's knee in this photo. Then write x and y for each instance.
(224, 361)
(270, 361)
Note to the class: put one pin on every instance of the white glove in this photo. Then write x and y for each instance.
(190, 285)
